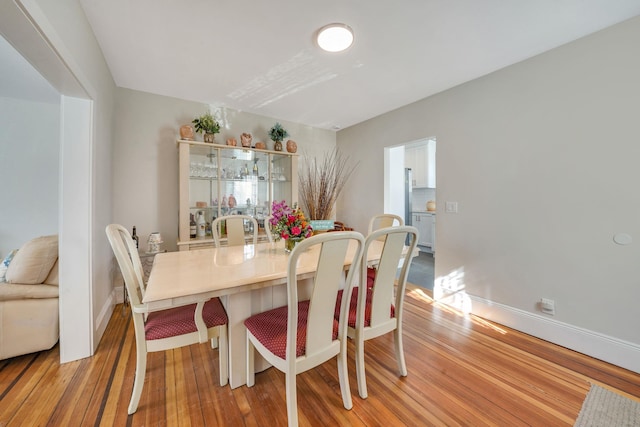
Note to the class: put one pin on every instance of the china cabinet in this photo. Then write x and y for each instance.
(217, 180)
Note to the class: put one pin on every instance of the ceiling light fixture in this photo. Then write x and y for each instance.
(335, 37)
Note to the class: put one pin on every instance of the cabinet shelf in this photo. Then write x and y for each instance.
(213, 178)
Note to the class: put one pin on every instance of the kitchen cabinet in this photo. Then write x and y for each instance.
(421, 159)
(425, 223)
(217, 180)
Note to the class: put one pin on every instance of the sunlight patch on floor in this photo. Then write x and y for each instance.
(458, 304)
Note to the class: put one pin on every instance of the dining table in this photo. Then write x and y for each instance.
(249, 279)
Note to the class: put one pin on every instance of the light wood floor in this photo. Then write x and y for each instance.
(462, 371)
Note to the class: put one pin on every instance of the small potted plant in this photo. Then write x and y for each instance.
(208, 125)
(277, 133)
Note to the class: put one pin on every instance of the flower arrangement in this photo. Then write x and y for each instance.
(206, 123)
(289, 223)
(277, 133)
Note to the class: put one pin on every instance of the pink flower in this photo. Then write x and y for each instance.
(289, 222)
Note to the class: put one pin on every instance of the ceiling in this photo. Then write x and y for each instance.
(260, 57)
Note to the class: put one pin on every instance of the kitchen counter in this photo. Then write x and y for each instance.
(424, 212)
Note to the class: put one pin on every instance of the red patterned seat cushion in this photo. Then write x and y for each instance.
(353, 304)
(270, 328)
(371, 277)
(179, 320)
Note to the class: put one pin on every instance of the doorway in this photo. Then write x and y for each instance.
(75, 176)
(420, 157)
(409, 195)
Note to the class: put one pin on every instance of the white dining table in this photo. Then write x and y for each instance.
(249, 279)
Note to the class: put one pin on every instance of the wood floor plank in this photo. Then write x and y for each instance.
(463, 371)
(14, 405)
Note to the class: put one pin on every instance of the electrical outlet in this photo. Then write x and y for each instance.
(548, 306)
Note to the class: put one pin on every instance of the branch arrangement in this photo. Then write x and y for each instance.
(321, 183)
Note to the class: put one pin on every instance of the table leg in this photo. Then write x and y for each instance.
(239, 307)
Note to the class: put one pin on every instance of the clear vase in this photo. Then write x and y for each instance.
(290, 243)
(277, 146)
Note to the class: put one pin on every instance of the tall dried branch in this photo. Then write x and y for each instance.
(321, 183)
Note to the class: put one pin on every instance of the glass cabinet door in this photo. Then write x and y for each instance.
(281, 178)
(203, 185)
(244, 183)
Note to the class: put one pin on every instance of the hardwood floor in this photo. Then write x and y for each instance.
(462, 371)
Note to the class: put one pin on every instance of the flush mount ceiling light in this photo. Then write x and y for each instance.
(335, 37)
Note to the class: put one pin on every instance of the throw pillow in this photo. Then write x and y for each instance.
(33, 261)
(4, 266)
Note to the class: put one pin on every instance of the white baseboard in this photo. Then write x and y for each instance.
(609, 349)
(118, 294)
(103, 319)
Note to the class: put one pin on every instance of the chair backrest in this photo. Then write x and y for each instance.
(327, 251)
(383, 221)
(126, 254)
(267, 228)
(393, 239)
(235, 229)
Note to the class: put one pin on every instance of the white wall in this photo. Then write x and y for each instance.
(542, 158)
(29, 153)
(145, 157)
(394, 182)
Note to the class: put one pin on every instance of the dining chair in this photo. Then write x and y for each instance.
(378, 310)
(383, 221)
(236, 235)
(165, 329)
(304, 334)
(267, 228)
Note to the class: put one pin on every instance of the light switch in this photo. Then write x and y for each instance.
(451, 207)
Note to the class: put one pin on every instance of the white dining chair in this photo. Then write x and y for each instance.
(267, 228)
(383, 221)
(165, 329)
(236, 235)
(304, 334)
(379, 309)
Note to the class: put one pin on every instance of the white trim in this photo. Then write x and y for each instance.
(118, 294)
(609, 349)
(76, 308)
(102, 321)
(77, 84)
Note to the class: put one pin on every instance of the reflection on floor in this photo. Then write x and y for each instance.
(421, 271)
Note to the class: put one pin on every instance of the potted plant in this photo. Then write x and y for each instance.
(208, 125)
(277, 133)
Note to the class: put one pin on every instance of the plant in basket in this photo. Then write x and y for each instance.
(207, 124)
